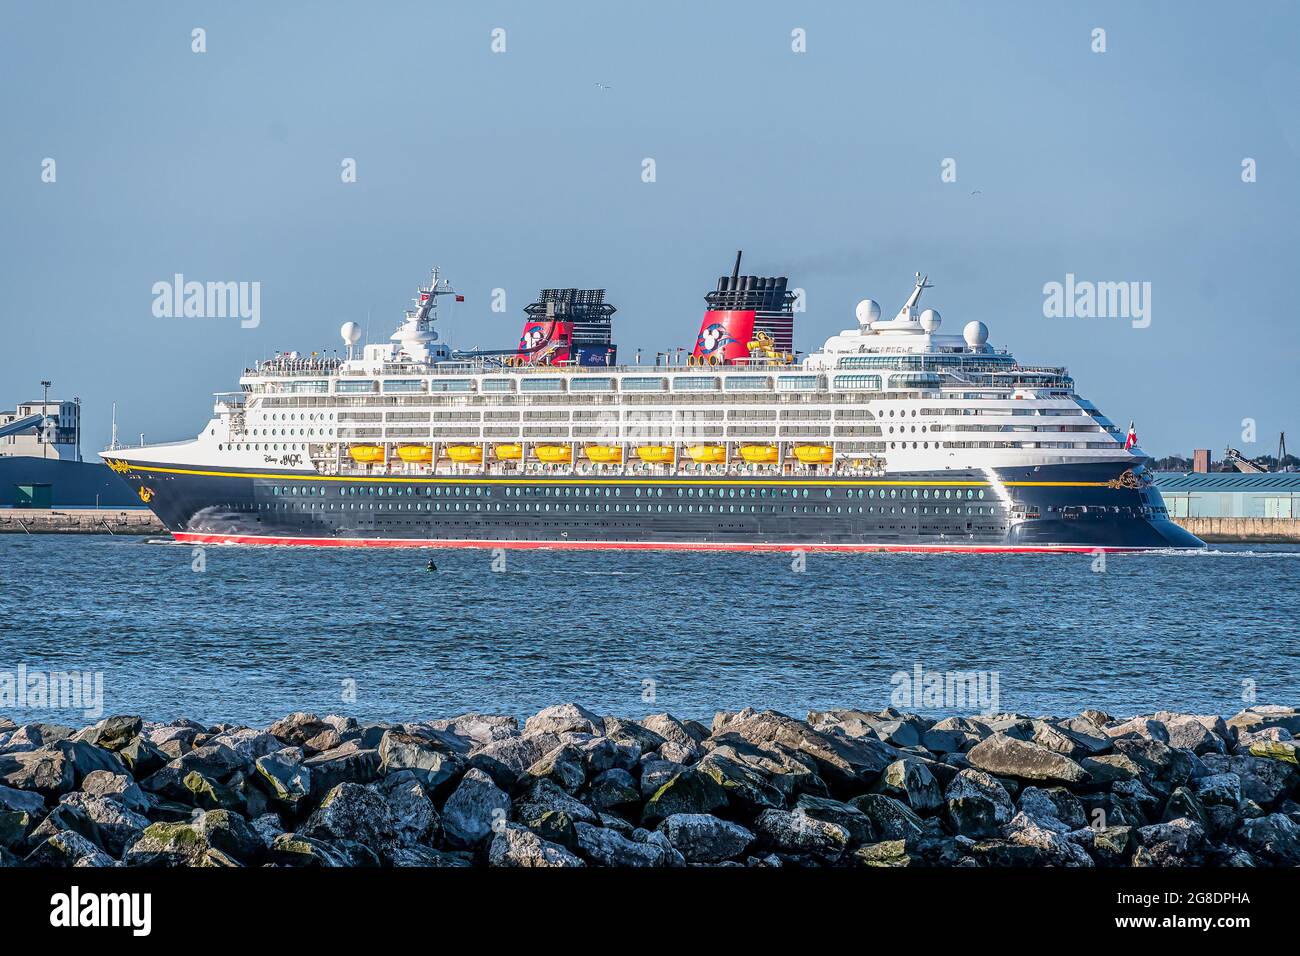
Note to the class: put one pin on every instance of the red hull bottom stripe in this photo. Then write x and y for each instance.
(203, 538)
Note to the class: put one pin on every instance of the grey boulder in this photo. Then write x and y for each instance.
(704, 838)
(476, 809)
(1025, 760)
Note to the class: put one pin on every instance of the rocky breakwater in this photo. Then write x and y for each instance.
(572, 788)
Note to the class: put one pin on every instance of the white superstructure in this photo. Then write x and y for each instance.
(888, 395)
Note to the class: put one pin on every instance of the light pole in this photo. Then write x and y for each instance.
(45, 414)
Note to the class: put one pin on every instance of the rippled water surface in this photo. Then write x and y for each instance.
(263, 631)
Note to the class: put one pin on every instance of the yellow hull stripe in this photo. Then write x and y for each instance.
(586, 480)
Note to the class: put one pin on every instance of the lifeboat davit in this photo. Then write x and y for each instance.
(553, 454)
(366, 453)
(420, 454)
(707, 454)
(465, 454)
(605, 454)
(508, 452)
(815, 454)
(759, 454)
(655, 454)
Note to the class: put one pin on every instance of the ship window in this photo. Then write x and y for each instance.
(796, 383)
(695, 383)
(541, 384)
(747, 383)
(860, 382)
(404, 385)
(643, 383)
(496, 385)
(583, 383)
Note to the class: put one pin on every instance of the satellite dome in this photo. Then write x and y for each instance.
(975, 334)
(351, 333)
(931, 320)
(868, 311)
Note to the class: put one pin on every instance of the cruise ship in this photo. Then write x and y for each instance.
(893, 436)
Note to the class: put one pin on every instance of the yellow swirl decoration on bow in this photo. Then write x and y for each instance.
(146, 494)
(1128, 479)
(118, 466)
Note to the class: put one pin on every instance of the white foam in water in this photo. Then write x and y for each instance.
(1215, 553)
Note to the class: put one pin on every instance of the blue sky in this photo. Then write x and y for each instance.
(515, 170)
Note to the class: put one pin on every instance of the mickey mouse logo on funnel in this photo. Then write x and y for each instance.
(545, 342)
(724, 335)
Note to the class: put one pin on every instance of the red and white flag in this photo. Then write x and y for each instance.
(1132, 439)
(460, 298)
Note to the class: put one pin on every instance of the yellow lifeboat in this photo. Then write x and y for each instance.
(553, 454)
(815, 454)
(420, 454)
(605, 454)
(759, 454)
(708, 454)
(655, 454)
(366, 453)
(465, 454)
(508, 452)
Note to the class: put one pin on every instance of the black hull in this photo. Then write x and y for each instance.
(1057, 507)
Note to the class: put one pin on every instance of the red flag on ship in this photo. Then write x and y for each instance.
(1132, 439)
(460, 298)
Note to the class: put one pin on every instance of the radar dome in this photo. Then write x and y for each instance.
(868, 311)
(975, 334)
(931, 320)
(351, 333)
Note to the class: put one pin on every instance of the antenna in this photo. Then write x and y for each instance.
(921, 285)
(113, 435)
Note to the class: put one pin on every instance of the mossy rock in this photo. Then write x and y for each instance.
(14, 826)
(1285, 750)
(688, 792)
(891, 853)
(210, 795)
